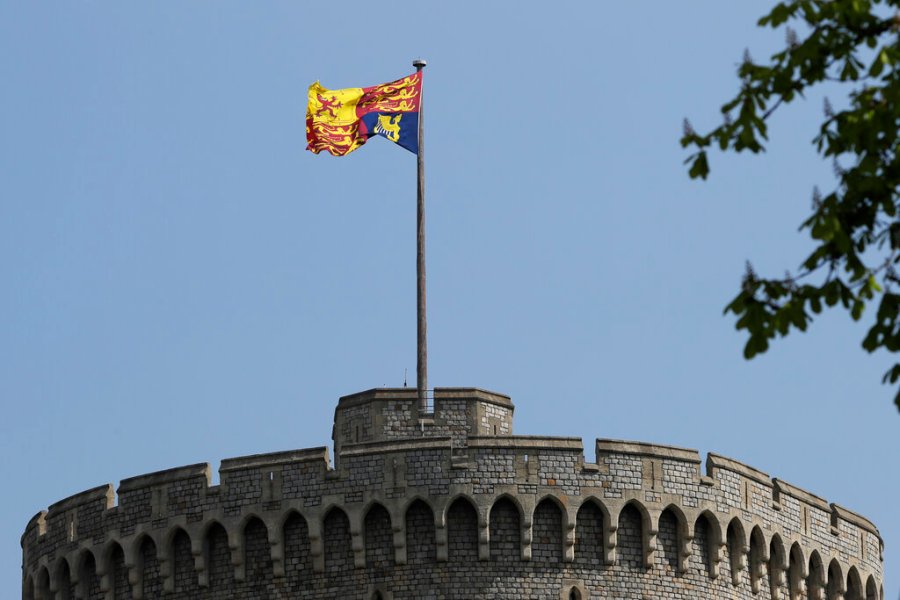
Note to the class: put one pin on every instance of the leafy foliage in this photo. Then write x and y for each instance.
(855, 227)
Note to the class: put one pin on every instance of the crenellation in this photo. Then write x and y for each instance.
(239, 487)
(717, 462)
(624, 472)
(848, 516)
(807, 498)
(820, 527)
(101, 497)
(494, 419)
(792, 517)
(449, 505)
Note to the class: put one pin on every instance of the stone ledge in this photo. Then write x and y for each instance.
(272, 459)
(845, 514)
(473, 393)
(526, 442)
(366, 396)
(782, 487)
(102, 492)
(606, 446)
(717, 461)
(381, 447)
(167, 476)
(409, 395)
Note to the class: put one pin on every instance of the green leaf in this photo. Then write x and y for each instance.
(699, 167)
(816, 304)
(892, 375)
(855, 228)
(877, 65)
(857, 310)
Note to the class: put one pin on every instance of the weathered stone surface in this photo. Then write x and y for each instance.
(450, 505)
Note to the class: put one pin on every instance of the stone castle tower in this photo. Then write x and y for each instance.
(446, 503)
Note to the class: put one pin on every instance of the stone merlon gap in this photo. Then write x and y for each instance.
(447, 503)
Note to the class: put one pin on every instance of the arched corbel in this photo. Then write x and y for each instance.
(484, 538)
(797, 585)
(802, 590)
(440, 539)
(43, 587)
(53, 585)
(236, 545)
(166, 563)
(610, 543)
(758, 568)
(650, 547)
(75, 579)
(716, 551)
(136, 581)
(276, 550)
(398, 527)
(569, 535)
(199, 548)
(739, 564)
(134, 566)
(316, 545)
(527, 537)
(357, 542)
(761, 570)
(440, 532)
(685, 551)
(841, 590)
(651, 537)
(779, 576)
(526, 526)
(104, 572)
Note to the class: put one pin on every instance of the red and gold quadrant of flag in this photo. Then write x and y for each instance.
(340, 121)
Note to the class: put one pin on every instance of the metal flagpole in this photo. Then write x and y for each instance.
(422, 344)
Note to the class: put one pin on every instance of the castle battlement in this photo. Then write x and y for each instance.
(451, 504)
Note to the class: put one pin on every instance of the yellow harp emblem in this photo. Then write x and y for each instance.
(389, 127)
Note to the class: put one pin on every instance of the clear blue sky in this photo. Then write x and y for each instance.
(180, 281)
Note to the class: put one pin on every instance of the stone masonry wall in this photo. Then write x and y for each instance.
(510, 517)
(394, 414)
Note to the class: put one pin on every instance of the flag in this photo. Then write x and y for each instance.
(340, 121)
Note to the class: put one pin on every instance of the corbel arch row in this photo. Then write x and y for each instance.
(442, 507)
(830, 569)
(738, 547)
(72, 571)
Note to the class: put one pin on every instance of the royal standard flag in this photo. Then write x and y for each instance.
(340, 121)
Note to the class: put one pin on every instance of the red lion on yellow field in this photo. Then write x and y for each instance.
(329, 106)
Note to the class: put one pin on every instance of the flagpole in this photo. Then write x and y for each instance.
(422, 326)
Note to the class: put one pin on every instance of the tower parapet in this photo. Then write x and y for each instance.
(447, 506)
(382, 414)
